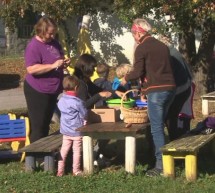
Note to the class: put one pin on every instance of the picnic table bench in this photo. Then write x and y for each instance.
(116, 130)
(186, 148)
(209, 97)
(46, 148)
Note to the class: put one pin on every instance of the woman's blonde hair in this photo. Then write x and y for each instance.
(123, 69)
(143, 24)
(42, 26)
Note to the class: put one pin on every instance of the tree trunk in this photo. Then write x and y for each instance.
(187, 45)
(205, 69)
(201, 63)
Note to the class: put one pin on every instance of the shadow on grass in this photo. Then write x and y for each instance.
(7, 155)
(8, 81)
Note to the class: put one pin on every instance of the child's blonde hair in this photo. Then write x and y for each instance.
(123, 69)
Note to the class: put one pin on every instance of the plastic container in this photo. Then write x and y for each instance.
(117, 103)
(140, 103)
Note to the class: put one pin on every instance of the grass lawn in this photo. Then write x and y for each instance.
(14, 179)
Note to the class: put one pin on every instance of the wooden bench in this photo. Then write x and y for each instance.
(210, 97)
(15, 131)
(115, 130)
(46, 148)
(184, 148)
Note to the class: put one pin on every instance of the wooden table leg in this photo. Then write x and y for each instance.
(205, 110)
(30, 163)
(191, 167)
(88, 154)
(168, 166)
(130, 154)
(49, 165)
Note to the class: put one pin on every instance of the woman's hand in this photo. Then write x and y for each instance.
(66, 62)
(58, 63)
(105, 94)
(37, 69)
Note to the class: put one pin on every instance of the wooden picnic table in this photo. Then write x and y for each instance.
(116, 130)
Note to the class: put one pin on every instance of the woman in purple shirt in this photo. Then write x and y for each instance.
(44, 61)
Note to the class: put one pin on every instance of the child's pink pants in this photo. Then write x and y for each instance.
(76, 143)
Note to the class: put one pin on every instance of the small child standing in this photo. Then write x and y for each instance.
(102, 82)
(73, 116)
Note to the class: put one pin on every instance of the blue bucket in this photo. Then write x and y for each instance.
(140, 103)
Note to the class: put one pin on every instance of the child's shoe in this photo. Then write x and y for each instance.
(78, 173)
(60, 173)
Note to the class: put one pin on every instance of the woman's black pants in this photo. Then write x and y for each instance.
(40, 111)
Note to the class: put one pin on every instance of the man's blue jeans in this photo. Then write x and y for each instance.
(158, 104)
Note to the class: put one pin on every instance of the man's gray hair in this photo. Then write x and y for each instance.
(143, 23)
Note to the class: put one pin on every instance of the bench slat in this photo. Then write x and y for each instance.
(46, 144)
(188, 143)
(108, 127)
(12, 139)
(12, 128)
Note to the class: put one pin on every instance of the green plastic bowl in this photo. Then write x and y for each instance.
(117, 103)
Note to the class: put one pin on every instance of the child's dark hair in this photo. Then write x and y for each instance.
(102, 70)
(85, 66)
(70, 83)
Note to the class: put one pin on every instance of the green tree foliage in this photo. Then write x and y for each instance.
(187, 17)
(58, 9)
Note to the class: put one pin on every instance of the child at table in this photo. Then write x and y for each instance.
(102, 81)
(121, 71)
(73, 116)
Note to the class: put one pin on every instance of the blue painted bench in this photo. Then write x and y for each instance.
(15, 131)
(8, 116)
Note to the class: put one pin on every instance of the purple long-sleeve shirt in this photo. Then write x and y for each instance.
(38, 52)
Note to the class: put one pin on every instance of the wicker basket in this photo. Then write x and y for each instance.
(132, 115)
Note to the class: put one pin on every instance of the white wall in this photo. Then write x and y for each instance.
(111, 39)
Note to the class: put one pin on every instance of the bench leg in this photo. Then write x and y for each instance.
(205, 110)
(49, 163)
(30, 163)
(130, 154)
(88, 154)
(191, 167)
(15, 145)
(168, 166)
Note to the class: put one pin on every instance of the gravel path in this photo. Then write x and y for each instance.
(12, 99)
